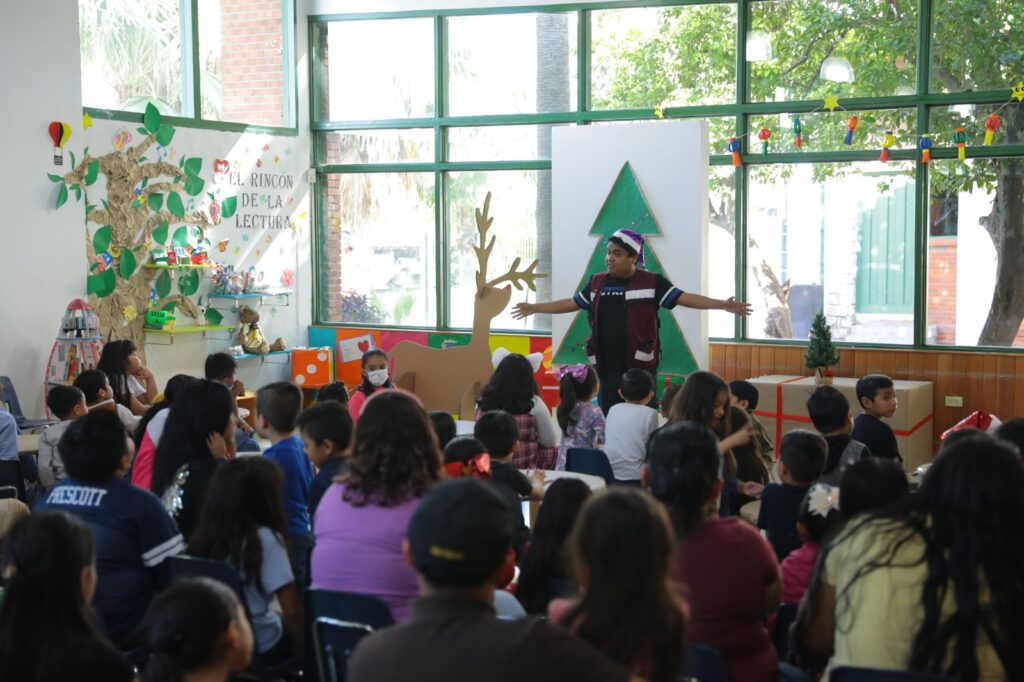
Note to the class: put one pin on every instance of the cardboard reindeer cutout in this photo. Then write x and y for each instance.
(450, 379)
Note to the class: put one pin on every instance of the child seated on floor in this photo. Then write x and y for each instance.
(870, 484)
(336, 391)
(801, 459)
(629, 425)
(829, 411)
(222, 367)
(326, 430)
(876, 394)
(817, 520)
(746, 396)
(99, 396)
(498, 431)
(68, 404)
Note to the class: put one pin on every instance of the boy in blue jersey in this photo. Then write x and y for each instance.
(132, 531)
(277, 410)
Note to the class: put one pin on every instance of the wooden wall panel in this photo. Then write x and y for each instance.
(993, 382)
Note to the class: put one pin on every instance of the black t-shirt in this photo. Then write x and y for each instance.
(82, 660)
(877, 435)
(513, 486)
(323, 479)
(780, 508)
(450, 638)
(611, 322)
(507, 475)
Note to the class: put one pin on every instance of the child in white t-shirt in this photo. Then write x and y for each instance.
(99, 396)
(629, 425)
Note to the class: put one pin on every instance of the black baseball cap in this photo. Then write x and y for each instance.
(460, 534)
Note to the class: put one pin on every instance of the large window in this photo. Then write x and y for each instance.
(893, 251)
(227, 62)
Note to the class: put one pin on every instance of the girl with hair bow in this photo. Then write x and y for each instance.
(581, 421)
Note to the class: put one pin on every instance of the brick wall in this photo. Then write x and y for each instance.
(330, 272)
(252, 66)
(942, 289)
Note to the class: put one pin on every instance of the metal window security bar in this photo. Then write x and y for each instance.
(921, 101)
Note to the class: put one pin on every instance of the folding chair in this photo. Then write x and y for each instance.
(589, 461)
(335, 622)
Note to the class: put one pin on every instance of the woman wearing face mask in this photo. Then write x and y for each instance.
(376, 377)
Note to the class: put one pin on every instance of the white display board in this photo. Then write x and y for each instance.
(670, 163)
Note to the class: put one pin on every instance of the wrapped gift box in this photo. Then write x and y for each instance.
(313, 367)
(782, 407)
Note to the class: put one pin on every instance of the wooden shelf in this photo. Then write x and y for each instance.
(194, 329)
(263, 356)
(269, 293)
(155, 266)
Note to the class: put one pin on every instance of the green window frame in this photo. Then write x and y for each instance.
(192, 81)
(743, 109)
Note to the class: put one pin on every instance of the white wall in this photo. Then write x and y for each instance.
(42, 257)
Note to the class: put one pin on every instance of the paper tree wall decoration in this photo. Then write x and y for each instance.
(625, 206)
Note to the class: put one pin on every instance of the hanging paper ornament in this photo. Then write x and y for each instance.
(850, 127)
(59, 133)
(797, 129)
(734, 148)
(888, 141)
(764, 135)
(960, 137)
(992, 124)
(1018, 92)
(925, 143)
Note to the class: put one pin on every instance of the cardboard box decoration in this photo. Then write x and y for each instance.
(782, 407)
(313, 367)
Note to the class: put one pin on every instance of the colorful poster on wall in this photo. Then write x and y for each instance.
(351, 350)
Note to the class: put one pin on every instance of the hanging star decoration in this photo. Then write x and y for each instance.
(831, 102)
(86, 121)
(1018, 92)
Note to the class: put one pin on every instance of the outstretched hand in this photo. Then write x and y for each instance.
(521, 310)
(737, 307)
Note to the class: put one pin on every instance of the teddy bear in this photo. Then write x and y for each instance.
(250, 336)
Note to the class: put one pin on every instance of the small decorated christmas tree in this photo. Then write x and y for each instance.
(821, 352)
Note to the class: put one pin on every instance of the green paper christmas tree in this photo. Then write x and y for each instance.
(821, 352)
(625, 207)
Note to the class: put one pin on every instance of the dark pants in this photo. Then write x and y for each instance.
(608, 394)
(299, 549)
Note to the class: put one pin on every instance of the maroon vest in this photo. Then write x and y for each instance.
(641, 304)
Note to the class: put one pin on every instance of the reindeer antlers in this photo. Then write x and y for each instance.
(483, 254)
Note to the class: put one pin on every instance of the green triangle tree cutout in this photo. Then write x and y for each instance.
(625, 206)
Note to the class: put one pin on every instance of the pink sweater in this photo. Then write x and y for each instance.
(796, 571)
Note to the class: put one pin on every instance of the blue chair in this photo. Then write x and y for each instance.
(589, 461)
(846, 673)
(780, 633)
(9, 398)
(194, 567)
(12, 480)
(335, 622)
(704, 664)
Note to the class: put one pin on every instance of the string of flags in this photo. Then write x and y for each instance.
(925, 142)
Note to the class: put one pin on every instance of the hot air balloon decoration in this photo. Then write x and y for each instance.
(59, 133)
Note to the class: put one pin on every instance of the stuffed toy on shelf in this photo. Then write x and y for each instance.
(250, 336)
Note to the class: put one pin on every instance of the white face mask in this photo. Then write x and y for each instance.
(377, 377)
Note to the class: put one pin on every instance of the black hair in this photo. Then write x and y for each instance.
(498, 431)
(684, 465)
(444, 426)
(280, 402)
(91, 382)
(202, 408)
(184, 626)
(463, 449)
(572, 392)
(828, 409)
(545, 557)
(512, 387)
(636, 384)
(696, 401)
(366, 387)
(669, 395)
(335, 391)
(804, 454)
(869, 386)
(630, 251)
(870, 484)
(749, 460)
(744, 390)
(220, 366)
(173, 387)
(328, 420)
(114, 363)
(92, 447)
(818, 527)
(243, 495)
(43, 609)
(1011, 431)
(62, 400)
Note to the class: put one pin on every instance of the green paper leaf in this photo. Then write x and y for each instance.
(163, 284)
(106, 205)
(180, 238)
(78, 192)
(151, 119)
(181, 161)
(145, 181)
(54, 178)
(213, 316)
(143, 159)
(89, 208)
(228, 207)
(193, 166)
(174, 204)
(127, 263)
(170, 307)
(62, 195)
(156, 201)
(102, 284)
(194, 185)
(160, 233)
(101, 239)
(72, 155)
(164, 134)
(92, 172)
(188, 283)
(142, 131)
